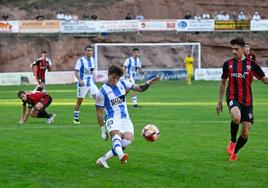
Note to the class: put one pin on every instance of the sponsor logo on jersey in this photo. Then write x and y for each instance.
(118, 100)
(239, 75)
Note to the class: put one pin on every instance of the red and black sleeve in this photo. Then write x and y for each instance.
(225, 70)
(257, 71)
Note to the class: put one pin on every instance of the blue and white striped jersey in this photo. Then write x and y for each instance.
(85, 66)
(113, 99)
(132, 65)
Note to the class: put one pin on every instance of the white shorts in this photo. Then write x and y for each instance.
(83, 90)
(123, 125)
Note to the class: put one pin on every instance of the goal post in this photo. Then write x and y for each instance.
(153, 55)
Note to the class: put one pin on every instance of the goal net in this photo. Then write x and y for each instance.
(154, 56)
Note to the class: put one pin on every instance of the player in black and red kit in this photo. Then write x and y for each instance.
(239, 71)
(39, 68)
(37, 103)
(249, 53)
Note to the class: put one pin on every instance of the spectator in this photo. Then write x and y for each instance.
(94, 17)
(5, 17)
(241, 16)
(197, 17)
(225, 16)
(248, 16)
(188, 15)
(256, 16)
(128, 16)
(86, 16)
(40, 17)
(206, 16)
(68, 17)
(139, 16)
(60, 15)
(219, 16)
(233, 16)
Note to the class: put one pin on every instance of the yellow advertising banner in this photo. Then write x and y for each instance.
(42, 26)
(232, 25)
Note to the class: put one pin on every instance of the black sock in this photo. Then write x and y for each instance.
(240, 143)
(43, 114)
(234, 128)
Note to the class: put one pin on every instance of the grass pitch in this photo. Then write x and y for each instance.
(191, 150)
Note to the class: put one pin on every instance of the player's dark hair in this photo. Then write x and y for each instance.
(20, 92)
(89, 46)
(238, 41)
(115, 69)
(44, 52)
(135, 49)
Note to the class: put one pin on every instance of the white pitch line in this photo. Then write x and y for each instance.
(55, 103)
(55, 126)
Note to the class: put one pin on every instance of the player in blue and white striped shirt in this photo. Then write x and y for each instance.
(132, 65)
(84, 72)
(112, 98)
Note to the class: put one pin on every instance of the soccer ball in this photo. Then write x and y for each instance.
(150, 132)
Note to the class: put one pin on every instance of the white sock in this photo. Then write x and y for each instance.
(35, 89)
(108, 155)
(117, 146)
(76, 115)
(125, 143)
(134, 100)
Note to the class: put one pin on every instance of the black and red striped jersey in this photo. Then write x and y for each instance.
(34, 97)
(240, 75)
(41, 66)
(251, 56)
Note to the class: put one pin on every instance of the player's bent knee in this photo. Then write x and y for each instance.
(128, 136)
(236, 121)
(244, 134)
(126, 142)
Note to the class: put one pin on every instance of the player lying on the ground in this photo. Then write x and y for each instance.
(37, 103)
(112, 98)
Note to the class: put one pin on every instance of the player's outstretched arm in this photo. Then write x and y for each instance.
(264, 80)
(146, 85)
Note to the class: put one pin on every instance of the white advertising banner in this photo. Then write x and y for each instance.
(79, 26)
(208, 74)
(195, 25)
(265, 70)
(21, 78)
(215, 73)
(54, 77)
(260, 25)
(157, 25)
(39, 26)
(119, 26)
(9, 26)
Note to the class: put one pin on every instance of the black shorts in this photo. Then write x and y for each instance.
(46, 100)
(246, 111)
